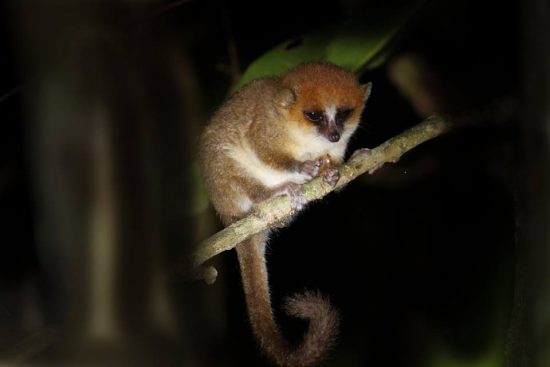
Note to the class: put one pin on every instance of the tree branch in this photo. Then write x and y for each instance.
(277, 209)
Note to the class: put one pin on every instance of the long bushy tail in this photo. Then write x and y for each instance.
(323, 318)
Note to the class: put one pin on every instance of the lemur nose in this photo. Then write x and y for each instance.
(334, 137)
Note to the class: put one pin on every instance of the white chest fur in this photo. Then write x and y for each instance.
(304, 144)
(252, 166)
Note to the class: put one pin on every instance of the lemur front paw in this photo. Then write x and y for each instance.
(314, 168)
(310, 168)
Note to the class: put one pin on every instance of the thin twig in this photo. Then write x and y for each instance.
(277, 209)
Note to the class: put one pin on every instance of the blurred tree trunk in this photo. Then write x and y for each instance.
(529, 333)
(110, 138)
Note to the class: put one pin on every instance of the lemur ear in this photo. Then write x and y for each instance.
(285, 98)
(366, 90)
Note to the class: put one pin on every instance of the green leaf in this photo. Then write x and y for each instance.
(288, 54)
(356, 44)
(359, 48)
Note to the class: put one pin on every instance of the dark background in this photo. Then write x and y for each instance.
(430, 260)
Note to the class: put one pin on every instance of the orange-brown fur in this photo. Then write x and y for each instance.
(254, 146)
(338, 87)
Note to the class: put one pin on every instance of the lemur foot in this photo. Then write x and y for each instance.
(296, 194)
(365, 152)
(331, 176)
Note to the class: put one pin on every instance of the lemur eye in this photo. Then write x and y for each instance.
(343, 114)
(314, 116)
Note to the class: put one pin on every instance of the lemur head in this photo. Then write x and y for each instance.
(323, 98)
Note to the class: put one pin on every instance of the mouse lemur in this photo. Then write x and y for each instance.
(266, 140)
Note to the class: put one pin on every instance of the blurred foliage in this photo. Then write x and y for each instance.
(429, 241)
(491, 358)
